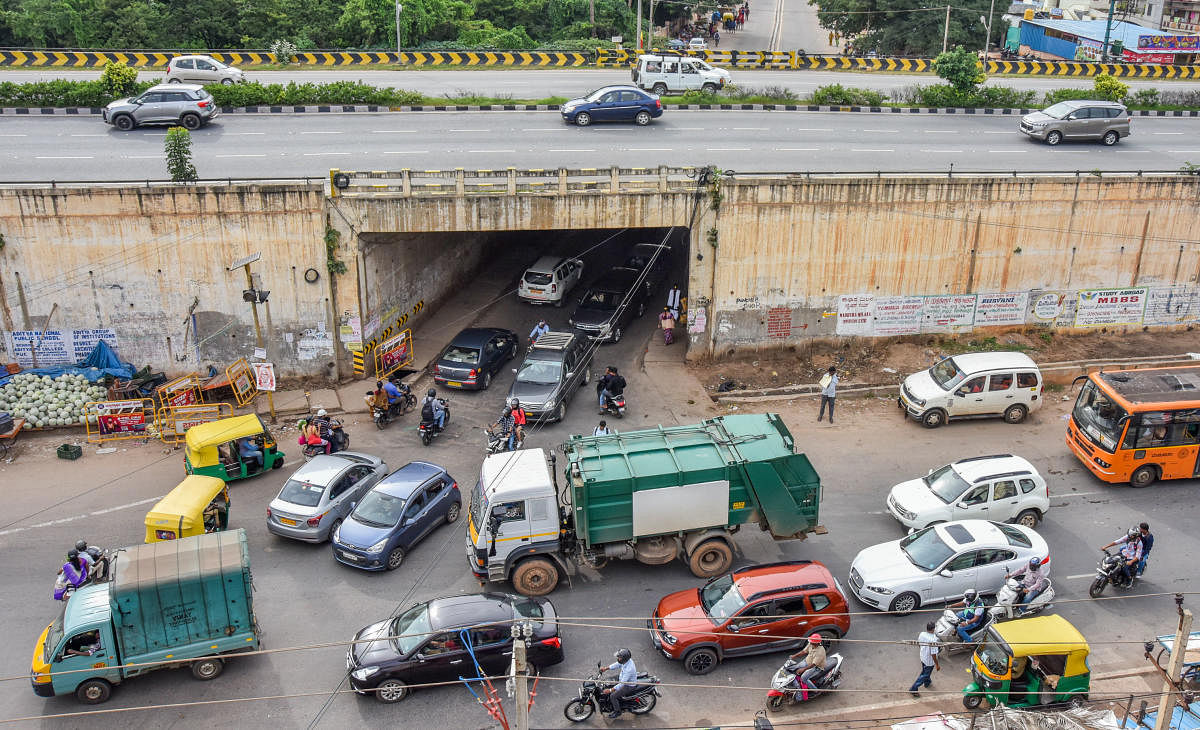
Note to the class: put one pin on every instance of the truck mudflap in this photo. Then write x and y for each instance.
(789, 492)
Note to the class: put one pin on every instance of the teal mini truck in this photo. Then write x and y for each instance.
(178, 603)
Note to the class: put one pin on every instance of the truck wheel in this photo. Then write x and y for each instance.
(207, 669)
(700, 661)
(535, 577)
(711, 558)
(93, 692)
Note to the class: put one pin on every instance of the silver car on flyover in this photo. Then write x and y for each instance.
(315, 500)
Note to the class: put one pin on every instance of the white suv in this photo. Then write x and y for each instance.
(1001, 488)
(975, 385)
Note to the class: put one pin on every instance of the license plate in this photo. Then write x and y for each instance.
(349, 556)
(535, 291)
(529, 414)
(286, 521)
(454, 383)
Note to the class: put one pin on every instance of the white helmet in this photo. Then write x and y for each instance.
(320, 413)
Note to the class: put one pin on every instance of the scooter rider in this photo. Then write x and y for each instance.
(539, 329)
(433, 409)
(813, 663)
(972, 615)
(1033, 582)
(519, 421)
(1131, 552)
(506, 427)
(394, 396)
(1147, 546)
(75, 570)
(626, 681)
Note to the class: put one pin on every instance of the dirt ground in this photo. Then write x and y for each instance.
(865, 361)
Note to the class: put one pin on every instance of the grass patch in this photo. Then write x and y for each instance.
(982, 344)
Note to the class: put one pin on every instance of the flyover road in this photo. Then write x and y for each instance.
(237, 145)
(542, 83)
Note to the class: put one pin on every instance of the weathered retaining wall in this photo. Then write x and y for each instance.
(149, 263)
(883, 257)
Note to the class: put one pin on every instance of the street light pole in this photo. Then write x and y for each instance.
(946, 30)
(639, 25)
(988, 40)
(258, 336)
(399, 7)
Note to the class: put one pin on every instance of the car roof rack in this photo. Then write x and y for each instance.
(554, 341)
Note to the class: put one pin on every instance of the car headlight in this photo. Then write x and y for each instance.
(1037, 125)
(669, 638)
(378, 547)
(881, 591)
(364, 672)
(550, 403)
(605, 328)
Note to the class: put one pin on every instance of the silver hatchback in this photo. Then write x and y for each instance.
(202, 70)
(182, 104)
(1106, 121)
(315, 500)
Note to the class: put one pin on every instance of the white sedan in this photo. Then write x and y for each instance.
(938, 563)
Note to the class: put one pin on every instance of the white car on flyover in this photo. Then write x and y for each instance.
(1001, 487)
(938, 563)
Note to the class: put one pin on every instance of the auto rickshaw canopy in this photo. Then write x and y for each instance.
(182, 510)
(203, 439)
(1043, 635)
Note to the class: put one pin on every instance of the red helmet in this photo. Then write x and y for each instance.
(815, 639)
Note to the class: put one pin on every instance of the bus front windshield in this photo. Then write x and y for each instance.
(1097, 416)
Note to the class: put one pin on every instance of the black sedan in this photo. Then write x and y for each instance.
(613, 104)
(428, 643)
(473, 357)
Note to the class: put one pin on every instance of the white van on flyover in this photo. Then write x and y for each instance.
(659, 74)
(974, 385)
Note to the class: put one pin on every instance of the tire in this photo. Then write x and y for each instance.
(1110, 138)
(577, 710)
(332, 529)
(972, 702)
(1096, 589)
(700, 661)
(1015, 413)
(395, 558)
(173, 81)
(278, 463)
(933, 418)
(453, 513)
(709, 88)
(710, 559)
(124, 122)
(775, 704)
(1030, 518)
(93, 692)
(381, 423)
(206, 669)
(535, 577)
(190, 121)
(1143, 476)
(829, 637)
(642, 118)
(583, 119)
(905, 603)
(391, 691)
(487, 380)
(561, 413)
(1053, 138)
(645, 704)
(659, 89)
(616, 335)
(227, 82)
(426, 437)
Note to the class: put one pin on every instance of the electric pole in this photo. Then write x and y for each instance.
(521, 633)
(255, 297)
(946, 30)
(1166, 705)
(399, 7)
(1107, 31)
(988, 40)
(639, 25)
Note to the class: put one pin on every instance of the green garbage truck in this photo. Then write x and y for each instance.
(653, 496)
(176, 603)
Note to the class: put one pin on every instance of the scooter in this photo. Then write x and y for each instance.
(339, 440)
(592, 698)
(614, 405)
(429, 429)
(785, 685)
(497, 443)
(1109, 571)
(946, 630)
(1006, 601)
(63, 588)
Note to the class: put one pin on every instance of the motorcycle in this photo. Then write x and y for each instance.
(98, 567)
(1006, 601)
(497, 443)
(592, 698)
(428, 428)
(614, 405)
(339, 440)
(785, 685)
(946, 630)
(1108, 570)
(407, 402)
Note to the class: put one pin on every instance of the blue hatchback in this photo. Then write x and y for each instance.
(613, 104)
(395, 515)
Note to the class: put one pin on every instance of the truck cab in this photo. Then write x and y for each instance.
(78, 649)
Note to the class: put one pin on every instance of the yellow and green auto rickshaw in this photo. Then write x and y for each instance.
(231, 448)
(1029, 662)
(198, 505)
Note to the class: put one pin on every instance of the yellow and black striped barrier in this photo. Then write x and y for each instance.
(358, 357)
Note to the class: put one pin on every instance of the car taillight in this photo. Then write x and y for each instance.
(268, 513)
(437, 369)
(553, 288)
(315, 521)
(553, 642)
(455, 486)
(658, 103)
(203, 104)
(472, 373)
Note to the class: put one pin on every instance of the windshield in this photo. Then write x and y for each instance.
(994, 656)
(946, 483)
(600, 300)
(539, 372)
(947, 374)
(411, 628)
(721, 598)
(379, 509)
(464, 355)
(1098, 417)
(1059, 110)
(926, 549)
(537, 278)
(54, 636)
(301, 493)
(477, 505)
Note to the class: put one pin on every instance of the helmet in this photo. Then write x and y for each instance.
(378, 383)
(72, 554)
(1035, 563)
(320, 413)
(623, 655)
(1133, 532)
(507, 411)
(513, 402)
(970, 595)
(815, 639)
(81, 545)
(431, 393)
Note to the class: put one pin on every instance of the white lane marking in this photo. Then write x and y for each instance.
(1187, 152)
(324, 154)
(240, 155)
(393, 131)
(542, 129)
(321, 133)
(76, 135)
(726, 149)
(63, 157)
(511, 152)
(1078, 494)
(1082, 575)
(650, 149)
(571, 150)
(63, 520)
(20, 135)
(940, 131)
(858, 150)
(468, 130)
(144, 157)
(1179, 133)
(407, 152)
(244, 134)
(797, 149)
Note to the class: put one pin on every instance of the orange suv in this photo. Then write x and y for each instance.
(760, 609)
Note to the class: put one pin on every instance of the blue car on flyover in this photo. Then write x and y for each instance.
(395, 515)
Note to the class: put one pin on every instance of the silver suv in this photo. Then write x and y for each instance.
(1106, 121)
(187, 105)
(202, 70)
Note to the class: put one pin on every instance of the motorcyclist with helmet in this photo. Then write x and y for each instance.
(813, 663)
(626, 681)
(972, 615)
(395, 396)
(97, 563)
(506, 427)
(1033, 582)
(433, 409)
(519, 421)
(1131, 553)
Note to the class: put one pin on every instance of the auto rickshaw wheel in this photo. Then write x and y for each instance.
(972, 702)
(278, 462)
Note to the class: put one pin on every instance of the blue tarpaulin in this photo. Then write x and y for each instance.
(101, 361)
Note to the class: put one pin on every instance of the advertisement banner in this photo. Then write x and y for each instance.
(1177, 43)
(899, 315)
(855, 314)
(947, 313)
(184, 391)
(242, 381)
(1106, 307)
(173, 422)
(994, 310)
(264, 375)
(56, 347)
(393, 353)
(1172, 305)
(1048, 306)
(115, 420)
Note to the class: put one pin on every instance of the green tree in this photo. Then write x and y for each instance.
(907, 27)
(1107, 87)
(118, 79)
(961, 68)
(178, 148)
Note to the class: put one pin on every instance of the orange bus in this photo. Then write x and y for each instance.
(1138, 426)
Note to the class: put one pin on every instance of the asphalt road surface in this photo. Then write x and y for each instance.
(236, 145)
(303, 597)
(543, 83)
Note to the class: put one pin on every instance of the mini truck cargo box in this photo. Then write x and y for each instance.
(651, 495)
(174, 603)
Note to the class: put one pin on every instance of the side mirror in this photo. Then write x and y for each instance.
(960, 394)
(735, 627)
(570, 373)
(947, 573)
(962, 505)
(514, 370)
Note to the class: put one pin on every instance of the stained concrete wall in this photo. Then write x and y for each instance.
(150, 263)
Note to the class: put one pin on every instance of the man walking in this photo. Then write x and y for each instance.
(829, 384)
(928, 641)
